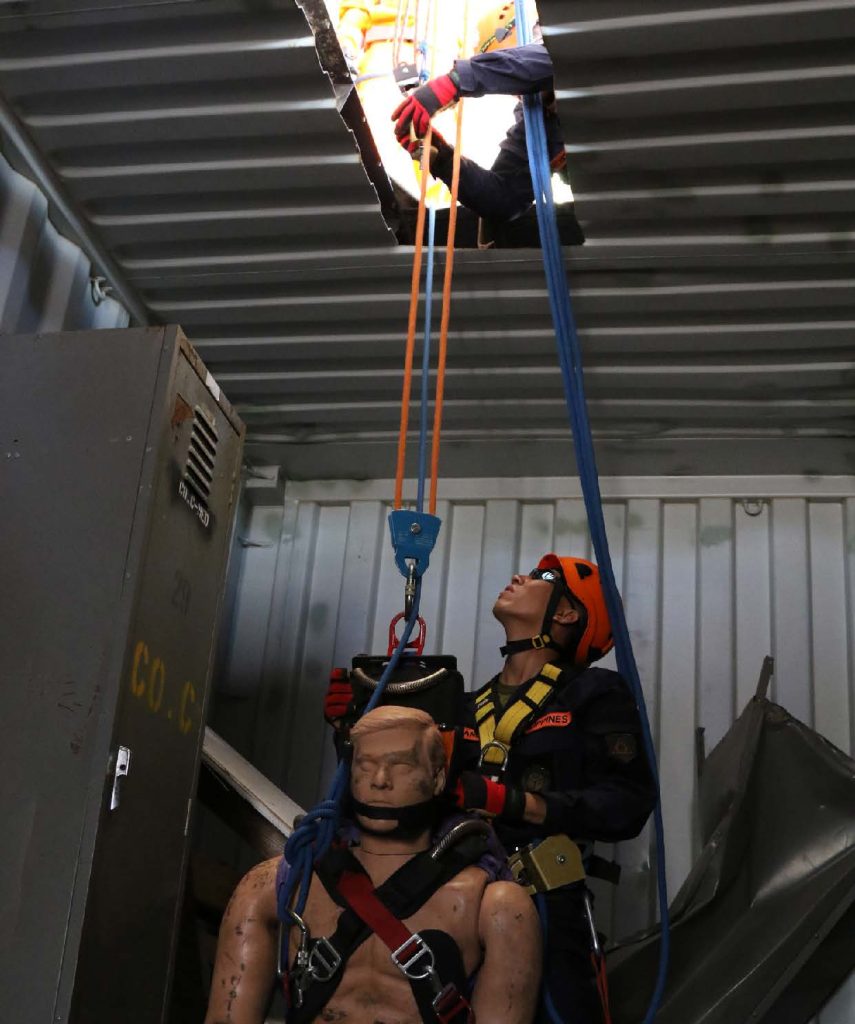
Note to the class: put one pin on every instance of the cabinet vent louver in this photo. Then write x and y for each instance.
(201, 455)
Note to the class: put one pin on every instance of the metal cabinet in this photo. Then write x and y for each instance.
(119, 471)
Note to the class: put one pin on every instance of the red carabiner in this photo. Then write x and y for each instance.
(417, 645)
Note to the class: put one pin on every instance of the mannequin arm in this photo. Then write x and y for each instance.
(246, 950)
(509, 979)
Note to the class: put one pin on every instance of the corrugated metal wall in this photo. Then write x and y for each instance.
(715, 573)
(44, 278)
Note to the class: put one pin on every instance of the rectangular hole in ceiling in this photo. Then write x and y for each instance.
(380, 46)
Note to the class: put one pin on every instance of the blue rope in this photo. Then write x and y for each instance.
(570, 360)
(425, 397)
(315, 833)
(311, 839)
(546, 996)
(424, 72)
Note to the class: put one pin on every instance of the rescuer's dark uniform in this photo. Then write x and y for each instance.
(581, 752)
(504, 190)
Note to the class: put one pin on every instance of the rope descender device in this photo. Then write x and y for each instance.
(413, 538)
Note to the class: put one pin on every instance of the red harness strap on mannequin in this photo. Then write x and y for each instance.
(410, 953)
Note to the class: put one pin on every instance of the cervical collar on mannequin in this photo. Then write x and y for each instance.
(410, 821)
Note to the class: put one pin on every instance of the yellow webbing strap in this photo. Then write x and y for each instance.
(494, 736)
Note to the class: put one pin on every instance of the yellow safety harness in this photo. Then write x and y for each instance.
(496, 736)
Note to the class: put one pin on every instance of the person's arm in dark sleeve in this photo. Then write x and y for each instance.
(619, 792)
(514, 72)
(497, 194)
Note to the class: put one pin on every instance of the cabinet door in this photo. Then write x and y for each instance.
(74, 412)
(133, 907)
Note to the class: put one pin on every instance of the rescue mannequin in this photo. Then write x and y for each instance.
(567, 760)
(499, 67)
(472, 924)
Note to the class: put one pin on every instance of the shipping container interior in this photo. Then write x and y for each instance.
(211, 165)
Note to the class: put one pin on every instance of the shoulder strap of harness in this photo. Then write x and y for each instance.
(402, 894)
(496, 736)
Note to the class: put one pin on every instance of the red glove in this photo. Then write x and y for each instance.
(338, 695)
(474, 792)
(422, 103)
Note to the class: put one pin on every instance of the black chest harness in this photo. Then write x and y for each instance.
(430, 960)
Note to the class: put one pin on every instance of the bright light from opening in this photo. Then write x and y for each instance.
(368, 39)
(561, 191)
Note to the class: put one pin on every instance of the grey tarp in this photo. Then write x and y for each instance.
(763, 928)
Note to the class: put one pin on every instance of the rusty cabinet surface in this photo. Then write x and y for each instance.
(119, 471)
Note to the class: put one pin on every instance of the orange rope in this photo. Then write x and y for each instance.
(446, 295)
(415, 286)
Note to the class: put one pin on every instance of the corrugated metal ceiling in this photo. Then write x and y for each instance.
(711, 152)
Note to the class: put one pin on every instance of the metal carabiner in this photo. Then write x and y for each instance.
(410, 591)
(506, 753)
(299, 973)
(589, 914)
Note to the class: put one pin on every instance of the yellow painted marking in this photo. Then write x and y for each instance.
(140, 655)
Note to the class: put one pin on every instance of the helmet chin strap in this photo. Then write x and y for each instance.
(544, 638)
(410, 821)
(533, 643)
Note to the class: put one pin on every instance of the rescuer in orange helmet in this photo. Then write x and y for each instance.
(498, 67)
(561, 764)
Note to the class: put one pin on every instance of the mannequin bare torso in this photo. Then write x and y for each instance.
(372, 988)
(493, 924)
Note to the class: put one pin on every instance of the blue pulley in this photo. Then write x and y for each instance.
(413, 537)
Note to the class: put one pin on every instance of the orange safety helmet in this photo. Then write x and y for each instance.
(581, 579)
(497, 30)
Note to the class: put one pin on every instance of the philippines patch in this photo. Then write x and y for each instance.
(552, 720)
(622, 746)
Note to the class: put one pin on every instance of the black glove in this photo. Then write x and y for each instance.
(437, 145)
(474, 792)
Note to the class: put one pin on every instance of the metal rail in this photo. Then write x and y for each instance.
(53, 188)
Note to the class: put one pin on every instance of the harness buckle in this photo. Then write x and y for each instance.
(449, 1003)
(538, 643)
(505, 751)
(414, 959)
(324, 960)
